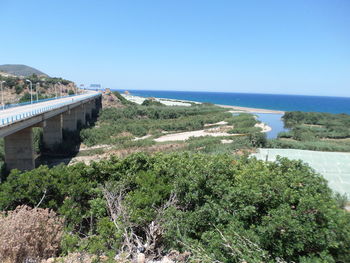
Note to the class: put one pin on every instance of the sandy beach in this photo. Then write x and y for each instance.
(174, 102)
(251, 110)
(168, 102)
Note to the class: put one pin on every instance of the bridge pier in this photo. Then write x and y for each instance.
(19, 150)
(90, 109)
(52, 131)
(80, 113)
(16, 127)
(69, 120)
(98, 103)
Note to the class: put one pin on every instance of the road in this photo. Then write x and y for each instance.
(14, 114)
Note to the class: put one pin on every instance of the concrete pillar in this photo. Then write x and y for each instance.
(88, 108)
(52, 131)
(80, 113)
(99, 103)
(69, 120)
(19, 150)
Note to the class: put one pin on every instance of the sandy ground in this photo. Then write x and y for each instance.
(214, 124)
(123, 153)
(251, 110)
(83, 147)
(183, 136)
(224, 141)
(167, 102)
(263, 126)
(171, 102)
(215, 132)
(142, 138)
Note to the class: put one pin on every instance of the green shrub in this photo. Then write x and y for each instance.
(143, 120)
(244, 123)
(123, 100)
(19, 89)
(264, 210)
(150, 102)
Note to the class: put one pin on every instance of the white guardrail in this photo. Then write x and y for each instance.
(39, 110)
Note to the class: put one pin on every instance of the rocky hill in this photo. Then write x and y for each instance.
(17, 89)
(20, 70)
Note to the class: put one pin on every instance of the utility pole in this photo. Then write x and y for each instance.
(55, 86)
(2, 95)
(82, 86)
(60, 87)
(37, 90)
(31, 91)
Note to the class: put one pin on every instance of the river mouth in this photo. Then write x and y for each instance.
(275, 121)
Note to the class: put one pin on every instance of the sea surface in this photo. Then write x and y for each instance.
(263, 101)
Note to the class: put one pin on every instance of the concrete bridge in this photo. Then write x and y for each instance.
(53, 116)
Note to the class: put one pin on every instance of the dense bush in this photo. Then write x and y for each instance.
(29, 234)
(123, 100)
(151, 102)
(19, 89)
(143, 120)
(330, 146)
(26, 97)
(323, 125)
(315, 131)
(230, 209)
(244, 123)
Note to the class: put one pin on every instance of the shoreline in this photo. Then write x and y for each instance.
(250, 110)
(177, 102)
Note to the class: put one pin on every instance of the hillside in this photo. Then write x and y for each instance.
(20, 70)
(16, 89)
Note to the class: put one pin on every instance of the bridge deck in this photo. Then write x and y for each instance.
(11, 115)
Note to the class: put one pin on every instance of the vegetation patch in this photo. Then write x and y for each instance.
(212, 204)
(315, 131)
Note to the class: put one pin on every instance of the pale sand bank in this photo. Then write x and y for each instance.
(167, 102)
(264, 127)
(250, 110)
(214, 132)
(183, 136)
(175, 102)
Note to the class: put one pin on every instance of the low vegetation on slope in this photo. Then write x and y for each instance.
(17, 90)
(217, 207)
(211, 207)
(119, 127)
(315, 131)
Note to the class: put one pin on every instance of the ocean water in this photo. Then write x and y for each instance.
(264, 101)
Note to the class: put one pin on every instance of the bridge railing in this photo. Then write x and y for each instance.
(39, 110)
(12, 105)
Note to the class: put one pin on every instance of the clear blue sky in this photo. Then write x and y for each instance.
(290, 47)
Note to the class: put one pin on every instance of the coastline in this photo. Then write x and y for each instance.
(175, 102)
(234, 109)
(250, 110)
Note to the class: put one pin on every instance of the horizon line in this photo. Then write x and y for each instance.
(253, 93)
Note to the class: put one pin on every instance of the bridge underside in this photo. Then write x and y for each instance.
(19, 148)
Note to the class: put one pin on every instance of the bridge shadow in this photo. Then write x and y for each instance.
(64, 152)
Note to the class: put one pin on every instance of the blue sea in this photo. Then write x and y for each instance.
(263, 101)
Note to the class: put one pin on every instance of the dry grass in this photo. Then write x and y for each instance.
(28, 234)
